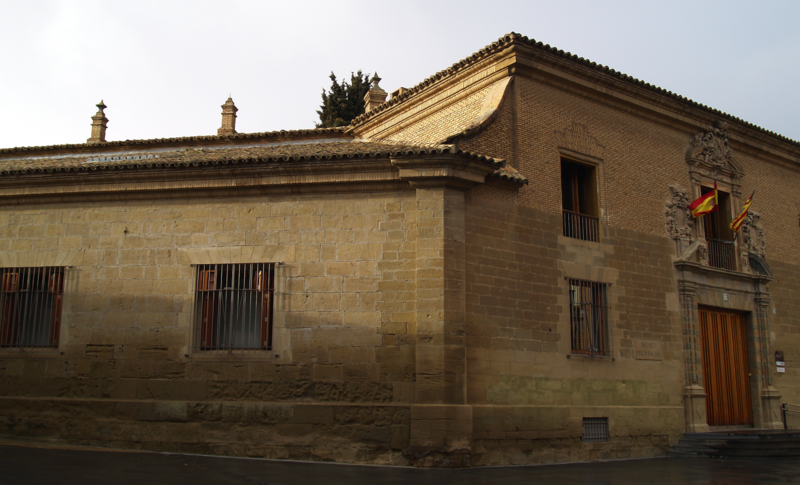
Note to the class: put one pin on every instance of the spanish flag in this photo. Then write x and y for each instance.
(737, 223)
(705, 203)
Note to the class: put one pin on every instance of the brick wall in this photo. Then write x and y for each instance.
(777, 199)
(640, 160)
(443, 122)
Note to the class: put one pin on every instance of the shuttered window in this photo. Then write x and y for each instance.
(234, 306)
(31, 301)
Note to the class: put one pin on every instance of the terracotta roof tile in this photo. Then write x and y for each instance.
(197, 156)
(513, 37)
(510, 174)
(209, 139)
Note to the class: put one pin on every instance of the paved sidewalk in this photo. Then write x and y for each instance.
(48, 465)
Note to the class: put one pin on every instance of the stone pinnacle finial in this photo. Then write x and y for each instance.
(228, 118)
(376, 96)
(375, 80)
(99, 124)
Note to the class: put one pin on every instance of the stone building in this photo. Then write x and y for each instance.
(496, 266)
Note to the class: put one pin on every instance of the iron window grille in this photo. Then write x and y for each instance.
(234, 306)
(588, 312)
(31, 300)
(595, 430)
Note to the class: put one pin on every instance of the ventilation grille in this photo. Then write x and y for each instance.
(595, 430)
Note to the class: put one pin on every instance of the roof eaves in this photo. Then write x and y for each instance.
(516, 178)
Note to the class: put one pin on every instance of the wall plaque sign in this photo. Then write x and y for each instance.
(647, 350)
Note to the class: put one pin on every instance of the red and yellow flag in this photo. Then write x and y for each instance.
(737, 223)
(705, 203)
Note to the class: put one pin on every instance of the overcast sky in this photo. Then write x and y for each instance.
(165, 67)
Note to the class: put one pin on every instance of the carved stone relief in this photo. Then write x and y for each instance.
(712, 147)
(710, 159)
(578, 139)
(745, 260)
(753, 233)
(680, 223)
(702, 254)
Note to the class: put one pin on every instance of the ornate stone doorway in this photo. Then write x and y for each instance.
(726, 354)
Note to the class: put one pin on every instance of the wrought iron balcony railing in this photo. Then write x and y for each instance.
(581, 226)
(720, 253)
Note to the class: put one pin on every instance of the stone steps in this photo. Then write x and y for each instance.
(731, 444)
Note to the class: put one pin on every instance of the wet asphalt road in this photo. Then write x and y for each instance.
(32, 465)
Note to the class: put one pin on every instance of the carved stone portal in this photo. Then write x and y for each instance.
(679, 220)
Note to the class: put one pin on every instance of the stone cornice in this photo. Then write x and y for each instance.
(701, 269)
(310, 176)
(201, 182)
(448, 171)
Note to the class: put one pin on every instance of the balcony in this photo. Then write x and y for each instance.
(721, 253)
(581, 226)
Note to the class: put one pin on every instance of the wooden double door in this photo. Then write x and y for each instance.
(726, 368)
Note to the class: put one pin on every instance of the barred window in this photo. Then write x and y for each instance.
(588, 311)
(31, 300)
(595, 430)
(233, 306)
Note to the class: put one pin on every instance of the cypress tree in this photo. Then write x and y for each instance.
(344, 101)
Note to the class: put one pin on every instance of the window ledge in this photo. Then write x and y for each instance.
(16, 353)
(268, 355)
(573, 243)
(591, 357)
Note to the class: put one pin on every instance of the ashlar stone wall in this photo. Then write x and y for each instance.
(529, 392)
(336, 384)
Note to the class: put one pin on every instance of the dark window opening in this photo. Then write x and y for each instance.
(719, 235)
(588, 310)
(234, 306)
(31, 301)
(579, 201)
